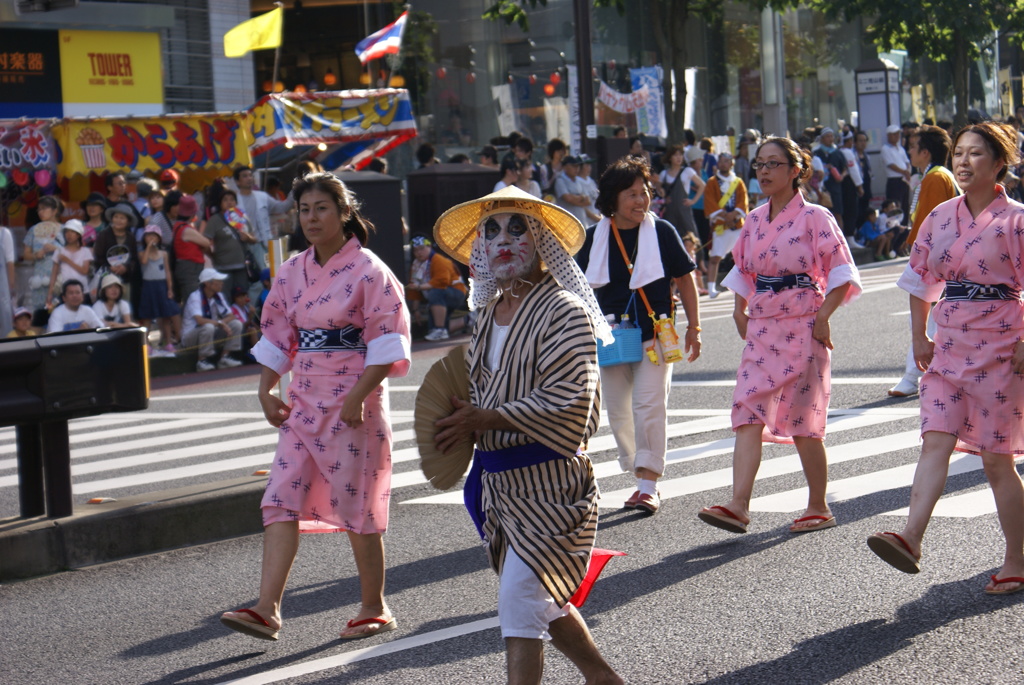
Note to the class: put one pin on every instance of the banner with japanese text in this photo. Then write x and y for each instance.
(29, 74)
(624, 103)
(650, 118)
(370, 121)
(152, 144)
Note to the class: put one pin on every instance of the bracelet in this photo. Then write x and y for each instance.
(696, 328)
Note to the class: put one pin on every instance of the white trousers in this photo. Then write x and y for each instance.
(636, 398)
(914, 374)
(525, 608)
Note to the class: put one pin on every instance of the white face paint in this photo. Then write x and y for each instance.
(509, 246)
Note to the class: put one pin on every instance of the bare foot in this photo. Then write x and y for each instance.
(1009, 570)
(274, 620)
(369, 621)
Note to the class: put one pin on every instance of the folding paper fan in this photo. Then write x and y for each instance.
(448, 376)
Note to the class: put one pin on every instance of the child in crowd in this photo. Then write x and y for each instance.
(72, 260)
(157, 300)
(22, 324)
(266, 281)
(111, 307)
(876, 235)
(891, 219)
(691, 243)
(243, 310)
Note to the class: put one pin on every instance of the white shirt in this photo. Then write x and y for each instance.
(63, 319)
(688, 174)
(219, 309)
(569, 186)
(499, 185)
(895, 154)
(81, 257)
(7, 245)
(121, 312)
(852, 165)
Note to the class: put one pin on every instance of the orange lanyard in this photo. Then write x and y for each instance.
(629, 266)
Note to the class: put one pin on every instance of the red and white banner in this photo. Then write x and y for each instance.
(625, 103)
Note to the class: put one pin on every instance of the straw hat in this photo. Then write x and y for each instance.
(455, 230)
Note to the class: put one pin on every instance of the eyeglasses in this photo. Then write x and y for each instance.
(773, 164)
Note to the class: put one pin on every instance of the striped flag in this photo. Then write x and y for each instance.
(387, 41)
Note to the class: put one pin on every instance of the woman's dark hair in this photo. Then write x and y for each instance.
(509, 164)
(171, 200)
(795, 155)
(555, 145)
(706, 145)
(356, 225)
(224, 193)
(53, 202)
(213, 194)
(935, 140)
(102, 294)
(666, 157)
(618, 177)
(1001, 141)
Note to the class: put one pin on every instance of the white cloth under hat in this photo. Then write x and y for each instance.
(647, 266)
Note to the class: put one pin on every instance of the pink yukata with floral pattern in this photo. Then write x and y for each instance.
(326, 475)
(785, 376)
(970, 389)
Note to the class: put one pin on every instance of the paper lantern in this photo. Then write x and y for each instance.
(441, 72)
(549, 89)
(329, 78)
(533, 79)
(397, 81)
(268, 86)
(364, 79)
(300, 89)
(470, 77)
(279, 87)
(556, 78)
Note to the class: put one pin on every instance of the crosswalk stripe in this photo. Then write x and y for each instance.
(842, 421)
(858, 486)
(110, 484)
(145, 429)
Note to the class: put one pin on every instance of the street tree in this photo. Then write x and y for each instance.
(941, 30)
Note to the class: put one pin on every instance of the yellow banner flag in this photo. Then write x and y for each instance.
(258, 33)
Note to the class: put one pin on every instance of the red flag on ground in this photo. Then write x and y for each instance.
(598, 558)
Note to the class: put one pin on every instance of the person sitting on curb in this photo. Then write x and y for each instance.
(72, 316)
(436, 280)
(208, 323)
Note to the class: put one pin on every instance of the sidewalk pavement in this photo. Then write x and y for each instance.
(143, 524)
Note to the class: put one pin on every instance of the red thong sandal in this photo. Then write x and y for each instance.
(258, 628)
(386, 624)
(894, 550)
(726, 520)
(1008, 579)
(823, 523)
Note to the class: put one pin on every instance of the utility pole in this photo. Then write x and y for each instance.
(584, 73)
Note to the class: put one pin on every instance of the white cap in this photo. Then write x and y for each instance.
(74, 225)
(895, 128)
(211, 275)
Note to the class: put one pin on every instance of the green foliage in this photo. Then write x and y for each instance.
(936, 29)
(417, 52)
(516, 11)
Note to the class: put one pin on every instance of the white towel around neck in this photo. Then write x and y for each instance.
(647, 266)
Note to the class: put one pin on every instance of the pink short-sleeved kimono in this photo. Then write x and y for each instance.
(325, 474)
(970, 389)
(784, 380)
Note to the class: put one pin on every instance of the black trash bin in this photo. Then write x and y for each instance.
(381, 197)
(437, 188)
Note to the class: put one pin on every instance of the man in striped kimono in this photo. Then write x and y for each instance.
(534, 403)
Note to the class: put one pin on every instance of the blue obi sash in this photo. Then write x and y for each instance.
(777, 284)
(322, 339)
(497, 461)
(969, 290)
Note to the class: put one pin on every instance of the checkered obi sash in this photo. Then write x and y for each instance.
(958, 291)
(777, 284)
(323, 340)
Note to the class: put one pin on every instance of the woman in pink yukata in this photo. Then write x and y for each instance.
(336, 319)
(972, 392)
(793, 270)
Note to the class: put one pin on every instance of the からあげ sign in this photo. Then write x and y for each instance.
(152, 143)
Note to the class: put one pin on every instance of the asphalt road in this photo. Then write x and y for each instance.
(689, 604)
